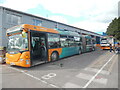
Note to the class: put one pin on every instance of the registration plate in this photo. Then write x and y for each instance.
(12, 63)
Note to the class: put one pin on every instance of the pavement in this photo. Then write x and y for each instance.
(0, 76)
(97, 69)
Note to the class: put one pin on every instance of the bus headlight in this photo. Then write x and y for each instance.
(27, 56)
(21, 59)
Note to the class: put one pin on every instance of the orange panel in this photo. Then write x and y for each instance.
(19, 59)
(98, 45)
(38, 28)
(13, 57)
(105, 47)
(59, 50)
(25, 56)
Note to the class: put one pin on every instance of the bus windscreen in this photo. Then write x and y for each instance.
(17, 43)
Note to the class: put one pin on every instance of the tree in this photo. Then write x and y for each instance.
(114, 28)
(118, 30)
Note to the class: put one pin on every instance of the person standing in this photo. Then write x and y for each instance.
(110, 47)
(118, 47)
(114, 48)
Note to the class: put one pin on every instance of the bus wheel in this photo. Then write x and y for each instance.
(54, 56)
(79, 52)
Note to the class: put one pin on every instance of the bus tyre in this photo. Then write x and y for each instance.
(54, 56)
(79, 52)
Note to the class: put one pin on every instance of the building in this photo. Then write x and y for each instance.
(10, 17)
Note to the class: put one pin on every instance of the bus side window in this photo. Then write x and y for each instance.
(77, 41)
(88, 42)
(63, 41)
(71, 40)
(53, 41)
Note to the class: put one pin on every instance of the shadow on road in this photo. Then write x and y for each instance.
(75, 62)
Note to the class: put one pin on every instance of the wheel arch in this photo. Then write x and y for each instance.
(54, 52)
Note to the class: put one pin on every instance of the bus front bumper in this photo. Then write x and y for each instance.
(105, 47)
(19, 63)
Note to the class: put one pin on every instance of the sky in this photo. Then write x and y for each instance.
(92, 15)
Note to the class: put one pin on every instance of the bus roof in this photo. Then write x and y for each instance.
(27, 27)
(38, 28)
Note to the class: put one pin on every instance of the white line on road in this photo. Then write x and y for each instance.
(96, 70)
(34, 77)
(87, 77)
(87, 84)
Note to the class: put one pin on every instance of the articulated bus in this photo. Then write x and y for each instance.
(29, 45)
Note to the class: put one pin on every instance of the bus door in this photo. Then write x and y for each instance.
(38, 48)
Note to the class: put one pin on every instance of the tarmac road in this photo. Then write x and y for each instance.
(97, 69)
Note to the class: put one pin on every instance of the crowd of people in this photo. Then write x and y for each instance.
(115, 48)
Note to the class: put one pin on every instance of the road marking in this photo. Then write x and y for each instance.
(34, 77)
(49, 76)
(96, 70)
(112, 64)
(87, 84)
(87, 77)
(71, 85)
